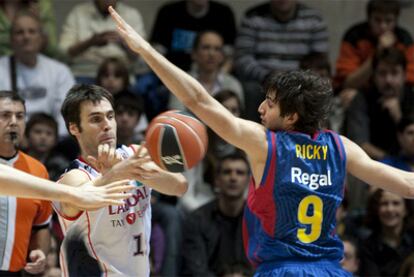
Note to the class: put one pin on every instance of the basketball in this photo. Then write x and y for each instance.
(176, 141)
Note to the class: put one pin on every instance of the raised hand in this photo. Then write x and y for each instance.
(130, 36)
(107, 158)
(89, 196)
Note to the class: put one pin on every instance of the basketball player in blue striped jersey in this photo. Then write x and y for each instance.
(298, 167)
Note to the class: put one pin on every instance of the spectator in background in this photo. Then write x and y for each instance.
(89, 36)
(405, 135)
(275, 36)
(41, 8)
(41, 134)
(217, 147)
(362, 41)
(212, 234)
(208, 57)
(177, 24)
(383, 252)
(382, 106)
(350, 261)
(41, 81)
(113, 75)
(128, 110)
(25, 234)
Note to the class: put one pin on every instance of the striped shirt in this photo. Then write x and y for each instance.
(264, 44)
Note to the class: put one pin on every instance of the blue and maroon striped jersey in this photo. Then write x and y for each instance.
(291, 216)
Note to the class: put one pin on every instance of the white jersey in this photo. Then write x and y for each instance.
(116, 237)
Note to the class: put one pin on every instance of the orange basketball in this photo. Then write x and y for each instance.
(176, 141)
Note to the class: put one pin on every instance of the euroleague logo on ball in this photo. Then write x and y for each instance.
(176, 159)
(130, 218)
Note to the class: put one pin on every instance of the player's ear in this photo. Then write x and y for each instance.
(291, 119)
(73, 129)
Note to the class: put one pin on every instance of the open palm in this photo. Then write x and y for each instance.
(134, 41)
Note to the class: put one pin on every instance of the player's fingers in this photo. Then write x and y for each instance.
(111, 153)
(118, 196)
(118, 19)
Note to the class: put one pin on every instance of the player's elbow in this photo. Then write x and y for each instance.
(409, 193)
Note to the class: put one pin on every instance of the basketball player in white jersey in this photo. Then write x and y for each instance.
(116, 238)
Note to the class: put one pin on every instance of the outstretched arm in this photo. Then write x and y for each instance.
(89, 196)
(377, 174)
(241, 133)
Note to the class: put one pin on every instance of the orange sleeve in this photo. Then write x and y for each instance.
(409, 55)
(348, 61)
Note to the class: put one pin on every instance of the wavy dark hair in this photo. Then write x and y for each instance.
(304, 93)
(76, 96)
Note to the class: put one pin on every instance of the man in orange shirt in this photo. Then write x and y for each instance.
(24, 233)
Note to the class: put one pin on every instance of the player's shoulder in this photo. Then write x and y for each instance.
(74, 177)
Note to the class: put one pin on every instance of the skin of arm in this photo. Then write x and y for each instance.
(39, 248)
(377, 174)
(29, 186)
(246, 135)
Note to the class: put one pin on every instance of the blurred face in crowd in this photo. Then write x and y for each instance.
(12, 122)
(198, 3)
(389, 79)
(406, 140)
(282, 6)
(112, 80)
(381, 23)
(41, 138)
(97, 126)
(127, 120)
(233, 178)
(350, 262)
(103, 5)
(26, 37)
(391, 210)
(209, 54)
(232, 104)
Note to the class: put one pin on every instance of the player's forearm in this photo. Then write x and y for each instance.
(41, 240)
(168, 183)
(18, 183)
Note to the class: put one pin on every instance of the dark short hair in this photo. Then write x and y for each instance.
(314, 61)
(234, 156)
(121, 70)
(12, 95)
(129, 102)
(390, 56)
(41, 118)
(383, 6)
(304, 93)
(201, 34)
(76, 96)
